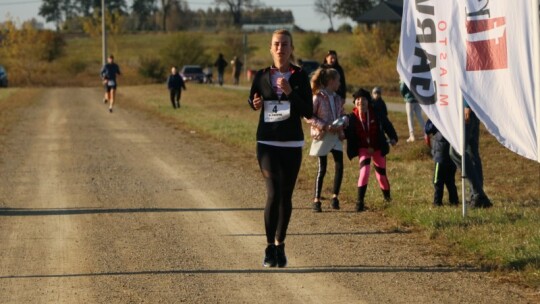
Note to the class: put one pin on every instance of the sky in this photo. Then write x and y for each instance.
(303, 11)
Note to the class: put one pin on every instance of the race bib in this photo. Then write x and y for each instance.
(275, 110)
(111, 83)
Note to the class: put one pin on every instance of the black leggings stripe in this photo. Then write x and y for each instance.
(365, 162)
(279, 166)
(338, 173)
(381, 171)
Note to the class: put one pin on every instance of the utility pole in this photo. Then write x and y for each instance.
(245, 43)
(103, 33)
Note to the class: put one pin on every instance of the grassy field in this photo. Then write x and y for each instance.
(81, 62)
(505, 238)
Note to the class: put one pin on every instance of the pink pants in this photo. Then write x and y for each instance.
(379, 162)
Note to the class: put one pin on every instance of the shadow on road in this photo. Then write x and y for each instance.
(63, 211)
(288, 270)
(344, 233)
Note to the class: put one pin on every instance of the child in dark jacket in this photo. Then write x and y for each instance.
(369, 135)
(175, 84)
(445, 169)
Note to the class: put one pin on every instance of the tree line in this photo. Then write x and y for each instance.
(159, 15)
(171, 15)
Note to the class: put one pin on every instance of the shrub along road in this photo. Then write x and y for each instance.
(123, 208)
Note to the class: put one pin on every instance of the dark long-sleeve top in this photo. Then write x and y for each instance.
(380, 105)
(380, 127)
(440, 147)
(301, 105)
(109, 71)
(175, 82)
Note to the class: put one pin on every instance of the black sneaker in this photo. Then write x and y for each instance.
(480, 202)
(110, 110)
(316, 207)
(105, 100)
(360, 207)
(386, 195)
(270, 259)
(280, 256)
(335, 203)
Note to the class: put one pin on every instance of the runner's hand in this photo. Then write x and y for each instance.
(257, 101)
(284, 85)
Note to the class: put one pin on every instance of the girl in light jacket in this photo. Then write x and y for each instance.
(328, 107)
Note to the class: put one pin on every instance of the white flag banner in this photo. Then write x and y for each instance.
(499, 63)
(484, 50)
(426, 65)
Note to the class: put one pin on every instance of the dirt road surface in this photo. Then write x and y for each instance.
(123, 208)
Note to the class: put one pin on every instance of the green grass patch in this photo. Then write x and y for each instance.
(5, 93)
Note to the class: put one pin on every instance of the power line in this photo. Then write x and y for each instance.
(18, 3)
(188, 2)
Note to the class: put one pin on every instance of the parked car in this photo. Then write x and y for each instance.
(3, 77)
(192, 73)
(309, 66)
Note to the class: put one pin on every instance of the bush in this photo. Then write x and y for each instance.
(345, 28)
(184, 49)
(53, 44)
(373, 60)
(151, 67)
(75, 66)
(310, 45)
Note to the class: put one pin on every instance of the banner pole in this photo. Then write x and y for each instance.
(463, 146)
(536, 57)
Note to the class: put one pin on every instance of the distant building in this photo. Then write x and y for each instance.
(267, 27)
(386, 11)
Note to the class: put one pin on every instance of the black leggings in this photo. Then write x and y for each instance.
(279, 167)
(338, 173)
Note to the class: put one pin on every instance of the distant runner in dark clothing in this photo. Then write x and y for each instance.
(108, 74)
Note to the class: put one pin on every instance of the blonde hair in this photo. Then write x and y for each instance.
(285, 32)
(321, 77)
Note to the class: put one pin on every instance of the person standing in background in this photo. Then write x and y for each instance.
(331, 61)
(378, 102)
(175, 84)
(412, 108)
(473, 164)
(282, 93)
(220, 64)
(237, 69)
(445, 169)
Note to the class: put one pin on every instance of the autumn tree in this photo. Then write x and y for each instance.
(143, 10)
(235, 9)
(56, 11)
(326, 8)
(353, 8)
(27, 51)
